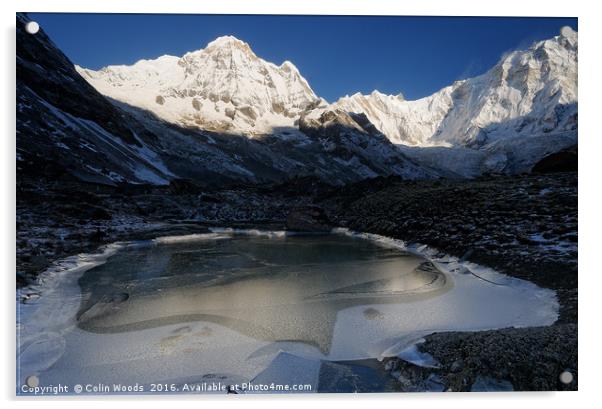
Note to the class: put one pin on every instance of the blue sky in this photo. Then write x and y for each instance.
(338, 55)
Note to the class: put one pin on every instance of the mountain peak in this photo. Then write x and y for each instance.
(224, 87)
(530, 92)
(568, 35)
(288, 66)
(229, 44)
(227, 40)
(223, 48)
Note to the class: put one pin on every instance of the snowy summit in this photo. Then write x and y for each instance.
(224, 87)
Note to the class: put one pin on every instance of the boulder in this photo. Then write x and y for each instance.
(309, 219)
(562, 161)
(184, 186)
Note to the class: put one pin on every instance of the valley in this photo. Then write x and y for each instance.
(482, 173)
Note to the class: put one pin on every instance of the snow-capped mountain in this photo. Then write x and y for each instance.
(196, 116)
(224, 87)
(505, 120)
(67, 130)
(527, 93)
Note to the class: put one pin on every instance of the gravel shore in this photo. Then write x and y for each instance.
(523, 226)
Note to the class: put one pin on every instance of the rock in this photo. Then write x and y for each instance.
(404, 381)
(230, 113)
(99, 213)
(457, 366)
(564, 161)
(391, 365)
(196, 104)
(373, 314)
(98, 236)
(31, 298)
(467, 255)
(39, 261)
(278, 107)
(308, 218)
(119, 297)
(488, 384)
(434, 383)
(184, 186)
(248, 111)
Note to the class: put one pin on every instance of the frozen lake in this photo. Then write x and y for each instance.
(262, 307)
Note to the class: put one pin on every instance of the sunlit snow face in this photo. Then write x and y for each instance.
(269, 289)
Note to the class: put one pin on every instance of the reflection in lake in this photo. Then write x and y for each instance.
(273, 290)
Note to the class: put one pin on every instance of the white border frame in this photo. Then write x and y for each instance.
(589, 178)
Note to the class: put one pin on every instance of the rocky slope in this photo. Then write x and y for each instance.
(523, 226)
(494, 361)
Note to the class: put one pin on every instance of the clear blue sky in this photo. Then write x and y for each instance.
(337, 54)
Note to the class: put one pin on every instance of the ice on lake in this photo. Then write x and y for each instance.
(263, 308)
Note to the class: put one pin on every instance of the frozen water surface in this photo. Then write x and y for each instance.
(250, 306)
